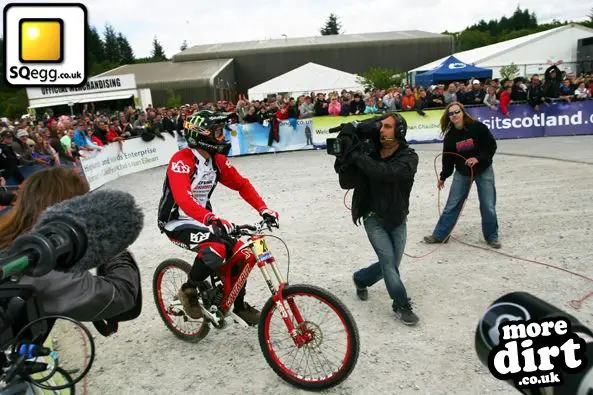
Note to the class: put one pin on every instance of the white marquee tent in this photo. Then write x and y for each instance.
(530, 53)
(310, 77)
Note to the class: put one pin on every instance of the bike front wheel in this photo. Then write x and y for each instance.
(329, 344)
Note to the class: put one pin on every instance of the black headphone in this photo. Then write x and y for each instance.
(401, 126)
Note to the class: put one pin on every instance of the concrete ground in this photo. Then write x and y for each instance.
(545, 210)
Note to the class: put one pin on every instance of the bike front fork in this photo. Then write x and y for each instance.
(298, 332)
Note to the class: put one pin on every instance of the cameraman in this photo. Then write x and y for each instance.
(382, 181)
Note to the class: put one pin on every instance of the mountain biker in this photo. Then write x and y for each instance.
(185, 212)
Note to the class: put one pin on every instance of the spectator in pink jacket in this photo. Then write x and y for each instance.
(334, 106)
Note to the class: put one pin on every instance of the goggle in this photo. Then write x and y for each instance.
(218, 130)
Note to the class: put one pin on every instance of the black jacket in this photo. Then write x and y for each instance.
(113, 293)
(381, 186)
(475, 140)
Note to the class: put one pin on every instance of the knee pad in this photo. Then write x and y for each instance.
(211, 258)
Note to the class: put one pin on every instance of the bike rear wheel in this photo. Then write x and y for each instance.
(169, 306)
(278, 346)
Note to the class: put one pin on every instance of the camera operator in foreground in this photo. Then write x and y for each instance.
(113, 295)
(382, 181)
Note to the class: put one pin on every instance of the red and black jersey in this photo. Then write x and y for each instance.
(190, 181)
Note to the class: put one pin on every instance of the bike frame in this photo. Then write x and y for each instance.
(257, 246)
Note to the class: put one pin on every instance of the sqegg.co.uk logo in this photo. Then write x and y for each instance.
(45, 44)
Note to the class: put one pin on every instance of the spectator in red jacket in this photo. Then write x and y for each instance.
(113, 135)
(505, 98)
(282, 113)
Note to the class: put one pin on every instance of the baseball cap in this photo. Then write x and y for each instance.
(6, 133)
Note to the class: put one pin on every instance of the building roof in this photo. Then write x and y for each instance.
(167, 72)
(477, 55)
(213, 50)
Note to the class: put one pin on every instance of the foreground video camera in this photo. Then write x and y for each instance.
(352, 135)
(23, 324)
(536, 347)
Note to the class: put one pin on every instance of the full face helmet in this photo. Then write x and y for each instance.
(205, 130)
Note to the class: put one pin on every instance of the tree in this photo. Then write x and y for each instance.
(183, 45)
(332, 26)
(589, 22)
(377, 77)
(112, 53)
(509, 72)
(172, 99)
(126, 52)
(158, 53)
(94, 46)
(469, 39)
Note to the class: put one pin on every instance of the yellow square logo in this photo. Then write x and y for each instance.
(45, 44)
(41, 40)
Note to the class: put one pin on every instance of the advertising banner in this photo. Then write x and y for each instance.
(256, 138)
(422, 128)
(556, 119)
(321, 125)
(136, 155)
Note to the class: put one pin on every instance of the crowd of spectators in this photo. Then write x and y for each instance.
(496, 94)
(43, 140)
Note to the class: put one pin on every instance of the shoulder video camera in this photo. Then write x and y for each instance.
(352, 135)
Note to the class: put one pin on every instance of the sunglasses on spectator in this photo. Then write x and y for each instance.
(451, 113)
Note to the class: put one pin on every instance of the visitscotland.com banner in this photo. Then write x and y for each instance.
(556, 119)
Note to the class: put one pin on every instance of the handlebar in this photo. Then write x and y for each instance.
(253, 229)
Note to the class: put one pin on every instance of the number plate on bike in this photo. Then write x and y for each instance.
(261, 249)
(265, 255)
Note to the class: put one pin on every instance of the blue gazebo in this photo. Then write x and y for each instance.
(452, 69)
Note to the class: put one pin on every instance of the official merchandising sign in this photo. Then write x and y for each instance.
(112, 83)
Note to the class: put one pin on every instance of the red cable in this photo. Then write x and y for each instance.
(575, 304)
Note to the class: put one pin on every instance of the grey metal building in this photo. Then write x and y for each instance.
(259, 61)
(220, 71)
(193, 81)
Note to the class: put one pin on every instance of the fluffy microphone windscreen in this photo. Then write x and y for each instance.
(110, 219)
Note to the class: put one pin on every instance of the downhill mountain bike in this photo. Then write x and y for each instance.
(294, 333)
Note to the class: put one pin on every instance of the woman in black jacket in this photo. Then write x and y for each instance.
(473, 140)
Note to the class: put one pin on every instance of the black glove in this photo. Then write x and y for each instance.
(271, 217)
(348, 130)
(351, 156)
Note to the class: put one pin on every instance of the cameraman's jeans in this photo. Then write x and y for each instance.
(389, 246)
(460, 187)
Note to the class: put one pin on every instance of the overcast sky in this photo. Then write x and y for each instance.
(205, 22)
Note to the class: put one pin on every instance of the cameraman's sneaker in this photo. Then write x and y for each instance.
(433, 240)
(361, 291)
(188, 296)
(494, 243)
(406, 314)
